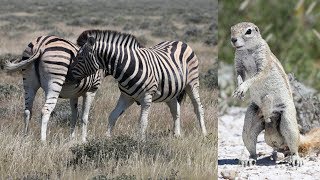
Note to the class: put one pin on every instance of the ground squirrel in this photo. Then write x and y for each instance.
(272, 108)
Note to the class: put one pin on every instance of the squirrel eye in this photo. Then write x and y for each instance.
(248, 31)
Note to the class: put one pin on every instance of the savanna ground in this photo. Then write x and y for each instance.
(291, 29)
(123, 157)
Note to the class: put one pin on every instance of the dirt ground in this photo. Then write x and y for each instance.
(231, 149)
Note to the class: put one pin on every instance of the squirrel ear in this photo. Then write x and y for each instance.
(257, 29)
(91, 40)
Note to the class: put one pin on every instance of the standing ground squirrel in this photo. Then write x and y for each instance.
(272, 108)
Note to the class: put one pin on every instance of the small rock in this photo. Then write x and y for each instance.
(261, 154)
(229, 174)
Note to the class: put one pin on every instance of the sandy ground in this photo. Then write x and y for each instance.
(231, 148)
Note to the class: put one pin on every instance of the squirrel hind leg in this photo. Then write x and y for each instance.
(267, 107)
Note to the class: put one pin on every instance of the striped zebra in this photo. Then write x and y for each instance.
(45, 63)
(162, 73)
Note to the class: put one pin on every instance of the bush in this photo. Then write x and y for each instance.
(164, 28)
(210, 78)
(194, 18)
(36, 175)
(144, 25)
(211, 40)
(62, 113)
(118, 148)
(120, 177)
(8, 90)
(193, 32)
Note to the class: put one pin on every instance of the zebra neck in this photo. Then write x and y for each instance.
(123, 63)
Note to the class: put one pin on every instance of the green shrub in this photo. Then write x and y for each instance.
(290, 30)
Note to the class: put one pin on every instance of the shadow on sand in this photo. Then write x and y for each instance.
(264, 161)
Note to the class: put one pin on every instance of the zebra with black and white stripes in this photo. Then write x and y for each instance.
(45, 63)
(162, 73)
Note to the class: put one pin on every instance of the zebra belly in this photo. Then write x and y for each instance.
(157, 95)
(166, 95)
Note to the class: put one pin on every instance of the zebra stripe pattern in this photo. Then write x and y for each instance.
(162, 73)
(45, 63)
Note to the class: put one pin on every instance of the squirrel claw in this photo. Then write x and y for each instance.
(295, 160)
(248, 163)
(239, 92)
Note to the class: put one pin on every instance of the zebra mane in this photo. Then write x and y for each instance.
(82, 39)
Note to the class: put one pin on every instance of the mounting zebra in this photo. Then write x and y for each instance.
(163, 73)
(45, 63)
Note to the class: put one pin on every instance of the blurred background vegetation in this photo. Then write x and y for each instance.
(291, 30)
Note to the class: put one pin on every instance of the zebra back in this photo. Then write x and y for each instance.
(52, 64)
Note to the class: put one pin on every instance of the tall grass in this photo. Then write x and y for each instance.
(162, 156)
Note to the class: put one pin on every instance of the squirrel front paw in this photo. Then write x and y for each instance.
(295, 160)
(240, 91)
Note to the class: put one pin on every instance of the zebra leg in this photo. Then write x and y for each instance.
(87, 101)
(74, 116)
(30, 93)
(145, 106)
(175, 112)
(123, 103)
(193, 93)
(51, 101)
(31, 86)
(29, 98)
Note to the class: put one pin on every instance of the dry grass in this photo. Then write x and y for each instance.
(189, 157)
(162, 156)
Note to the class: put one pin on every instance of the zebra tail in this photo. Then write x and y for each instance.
(17, 64)
(181, 97)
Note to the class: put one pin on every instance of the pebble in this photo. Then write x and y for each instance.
(229, 174)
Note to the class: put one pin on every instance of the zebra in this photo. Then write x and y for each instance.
(162, 73)
(45, 63)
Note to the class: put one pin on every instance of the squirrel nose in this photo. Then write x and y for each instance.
(233, 40)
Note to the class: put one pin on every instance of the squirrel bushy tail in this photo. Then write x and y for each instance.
(310, 142)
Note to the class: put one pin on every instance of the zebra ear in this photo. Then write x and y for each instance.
(91, 40)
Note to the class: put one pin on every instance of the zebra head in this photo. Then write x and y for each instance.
(86, 62)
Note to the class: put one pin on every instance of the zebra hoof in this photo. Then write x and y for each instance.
(177, 135)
